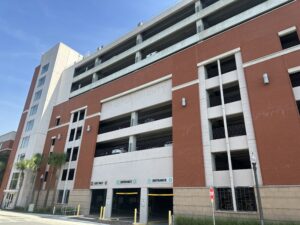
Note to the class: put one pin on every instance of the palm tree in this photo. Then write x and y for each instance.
(56, 161)
(34, 165)
(21, 166)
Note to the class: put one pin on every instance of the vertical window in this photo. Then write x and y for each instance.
(29, 125)
(295, 79)
(68, 154)
(64, 175)
(14, 181)
(228, 64)
(45, 68)
(37, 95)
(46, 176)
(25, 142)
(75, 154)
(33, 110)
(60, 196)
(75, 117)
(81, 114)
(78, 133)
(67, 193)
(72, 133)
(289, 39)
(71, 174)
(41, 81)
(57, 121)
(298, 105)
(53, 141)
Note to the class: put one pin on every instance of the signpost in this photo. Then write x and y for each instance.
(212, 198)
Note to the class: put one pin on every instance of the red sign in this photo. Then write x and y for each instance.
(211, 194)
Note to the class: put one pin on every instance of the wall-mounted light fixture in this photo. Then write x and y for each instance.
(88, 128)
(58, 136)
(183, 102)
(266, 78)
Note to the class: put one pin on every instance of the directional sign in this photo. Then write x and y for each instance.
(211, 194)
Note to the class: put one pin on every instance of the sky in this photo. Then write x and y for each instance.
(28, 28)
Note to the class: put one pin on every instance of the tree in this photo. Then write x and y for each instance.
(21, 166)
(56, 161)
(34, 165)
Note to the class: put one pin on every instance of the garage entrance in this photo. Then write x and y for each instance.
(160, 202)
(98, 200)
(124, 203)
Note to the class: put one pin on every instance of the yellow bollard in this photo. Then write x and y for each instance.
(101, 211)
(135, 216)
(103, 215)
(170, 217)
(78, 210)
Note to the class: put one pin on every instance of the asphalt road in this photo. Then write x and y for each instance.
(13, 218)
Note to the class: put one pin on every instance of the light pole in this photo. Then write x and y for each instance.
(260, 210)
(38, 194)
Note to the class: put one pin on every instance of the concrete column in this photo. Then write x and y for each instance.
(97, 61)
(138, 55)
(144, 206)
(199, 23)
(134, 119)
(132, 144)
(108, 203)
(95, 77)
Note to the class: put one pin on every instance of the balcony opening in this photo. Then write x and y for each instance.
(240, 160)
(117, 66)
(154, 113)
(169, 21)
(217, 128)
(289, 40)
(212, 70)
(82, 83)
(236, 126)
(206, 3)
(245, 199)
(228, 64)
(122, 47)
(214, 97)
(221, 161)
(229, 11)
(85, 67)
(112, 147)
(224, 199)
(295, 79)
(154, 140)
(114, 124)
(231, 93)
(168, 41)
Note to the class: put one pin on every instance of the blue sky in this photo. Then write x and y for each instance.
(30, 27)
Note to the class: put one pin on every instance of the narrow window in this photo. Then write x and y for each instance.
(75, 153)
(298, 105)
(71, 174)
(46, 176)
(75, 117)
(217, 128)
(295, 79)
(37, 95)
(81, 114)
(72, 133)
(53, 141)
(60, 196)
(64, 175)
(41, 81)
(45, 68)
(68, 154)
(67, 193)
(33, 110)
(289, 40)
(78, 133)
(211, 70)
(57, 121)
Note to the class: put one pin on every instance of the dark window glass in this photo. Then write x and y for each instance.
(289, 40)
(75, 153)
(68, 155)
(298, 105)
(245, 199)
(236, 126)
(221, 161)
(60, 196)
(64, 175)
(72, 133)
(75, 117)
(228, 64)
(240, 160)
(67, 196)
(78, 133)
(224, 199)
(46, 176)
(53, 141)
(81, 114)
(71, 174)
(211, 70)
(217, 129)
(57, 122)
(232, 93)
(295, 79)
(214, 97)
